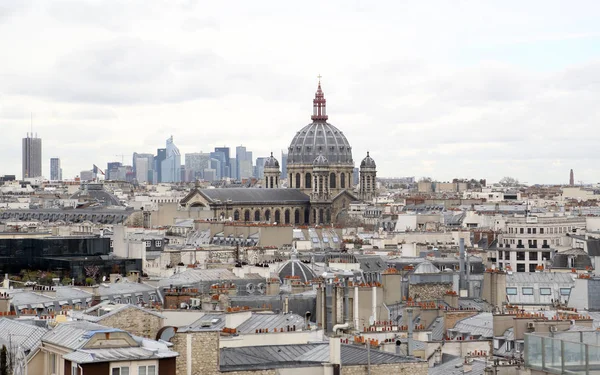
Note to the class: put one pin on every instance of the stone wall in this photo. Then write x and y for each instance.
(428, 292)
(135, 321)
(418, 368)
(451, 317)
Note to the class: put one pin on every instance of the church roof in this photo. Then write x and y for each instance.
(255, 195)
(368, 162)
(271, 162)
(295, 267)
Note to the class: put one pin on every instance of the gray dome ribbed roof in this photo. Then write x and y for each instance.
(318, 138)
(294, 267)
(321, 160)
(368, 162)
(271, 162)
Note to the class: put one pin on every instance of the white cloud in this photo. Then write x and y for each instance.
(412, 82)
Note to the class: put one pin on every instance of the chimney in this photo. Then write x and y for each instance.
(462, 273)
(95, 295)
(335, 351)
(6, 282)
(409, 316)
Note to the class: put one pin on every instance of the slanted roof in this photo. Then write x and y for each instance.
(255, 195)
(301, 355)
(91, 315)
(195, 275)
(116, 354)
(454, 366)
(480, 324)
(74, 335)
(271, 321)
(16, 333)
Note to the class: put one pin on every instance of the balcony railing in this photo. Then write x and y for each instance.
(568, 353)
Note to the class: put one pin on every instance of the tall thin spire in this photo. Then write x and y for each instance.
(319, 104)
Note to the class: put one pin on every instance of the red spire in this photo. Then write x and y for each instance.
(319, 110)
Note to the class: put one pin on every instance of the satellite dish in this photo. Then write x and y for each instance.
(371, 320)
(261, 288)
(250, 288)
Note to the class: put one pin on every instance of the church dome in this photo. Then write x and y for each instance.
(295, 267)
(319, 137)
(368, 162)
(271, 162)
(321, 161)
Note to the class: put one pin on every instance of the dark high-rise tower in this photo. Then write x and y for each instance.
(55, 169)
(572, 178)
(32, 156)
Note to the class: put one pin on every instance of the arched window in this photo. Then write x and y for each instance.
(268, 215)
(306, 215)
(297, 216)
(236, 215)
(332, 181)
(286, 216)
(343, 181)
(321, 216)
(247, 215)
(307, 181)
(328, 216)
(297, 180)
(277, 216)
(272, 185)
(257, 215)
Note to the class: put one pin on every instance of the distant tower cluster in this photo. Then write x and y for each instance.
(32, 156)
(572, 178)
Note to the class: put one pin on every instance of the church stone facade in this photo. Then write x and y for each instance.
(319, 179)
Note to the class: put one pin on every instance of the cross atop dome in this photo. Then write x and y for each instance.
(319, 104)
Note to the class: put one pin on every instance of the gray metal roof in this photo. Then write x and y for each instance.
(454, 366)
(14, 332)
(302, 355)
(116, 354)
(32, 299)
(71, 334)
(91, 313)
(271, 321)
(480, 324)
(195, 275)
(539, 277)
(295, 267)
(437, 329)
(252, 195)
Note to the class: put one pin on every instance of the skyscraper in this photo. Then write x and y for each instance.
(171, 166)
(572, 178)
(244, 162)
(161, 155)
(284, 157)
(195, 163)
(259, 168)
(32, 156)
(143, 167)
(226, 172)
(55, 169)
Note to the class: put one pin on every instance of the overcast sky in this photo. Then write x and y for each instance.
(442, 89)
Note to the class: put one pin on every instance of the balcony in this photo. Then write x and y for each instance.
(565, 353)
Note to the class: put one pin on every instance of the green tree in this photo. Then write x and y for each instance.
(3, 361)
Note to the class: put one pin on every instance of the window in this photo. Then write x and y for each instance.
(545, 291)
(120, 370)
(533, 255)
(148, 244)
(147, 370)
(511, 291)
(522, 230)
(158, 243)
(532, 267)
(528, 230)
(541, 230)
(527, 291)
(565, 291)
(534, 230)
(520, 255)
(546, 255)
(507, 255)
(499, 254)
(520, 267)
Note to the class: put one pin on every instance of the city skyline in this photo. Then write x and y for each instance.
(460, 96)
